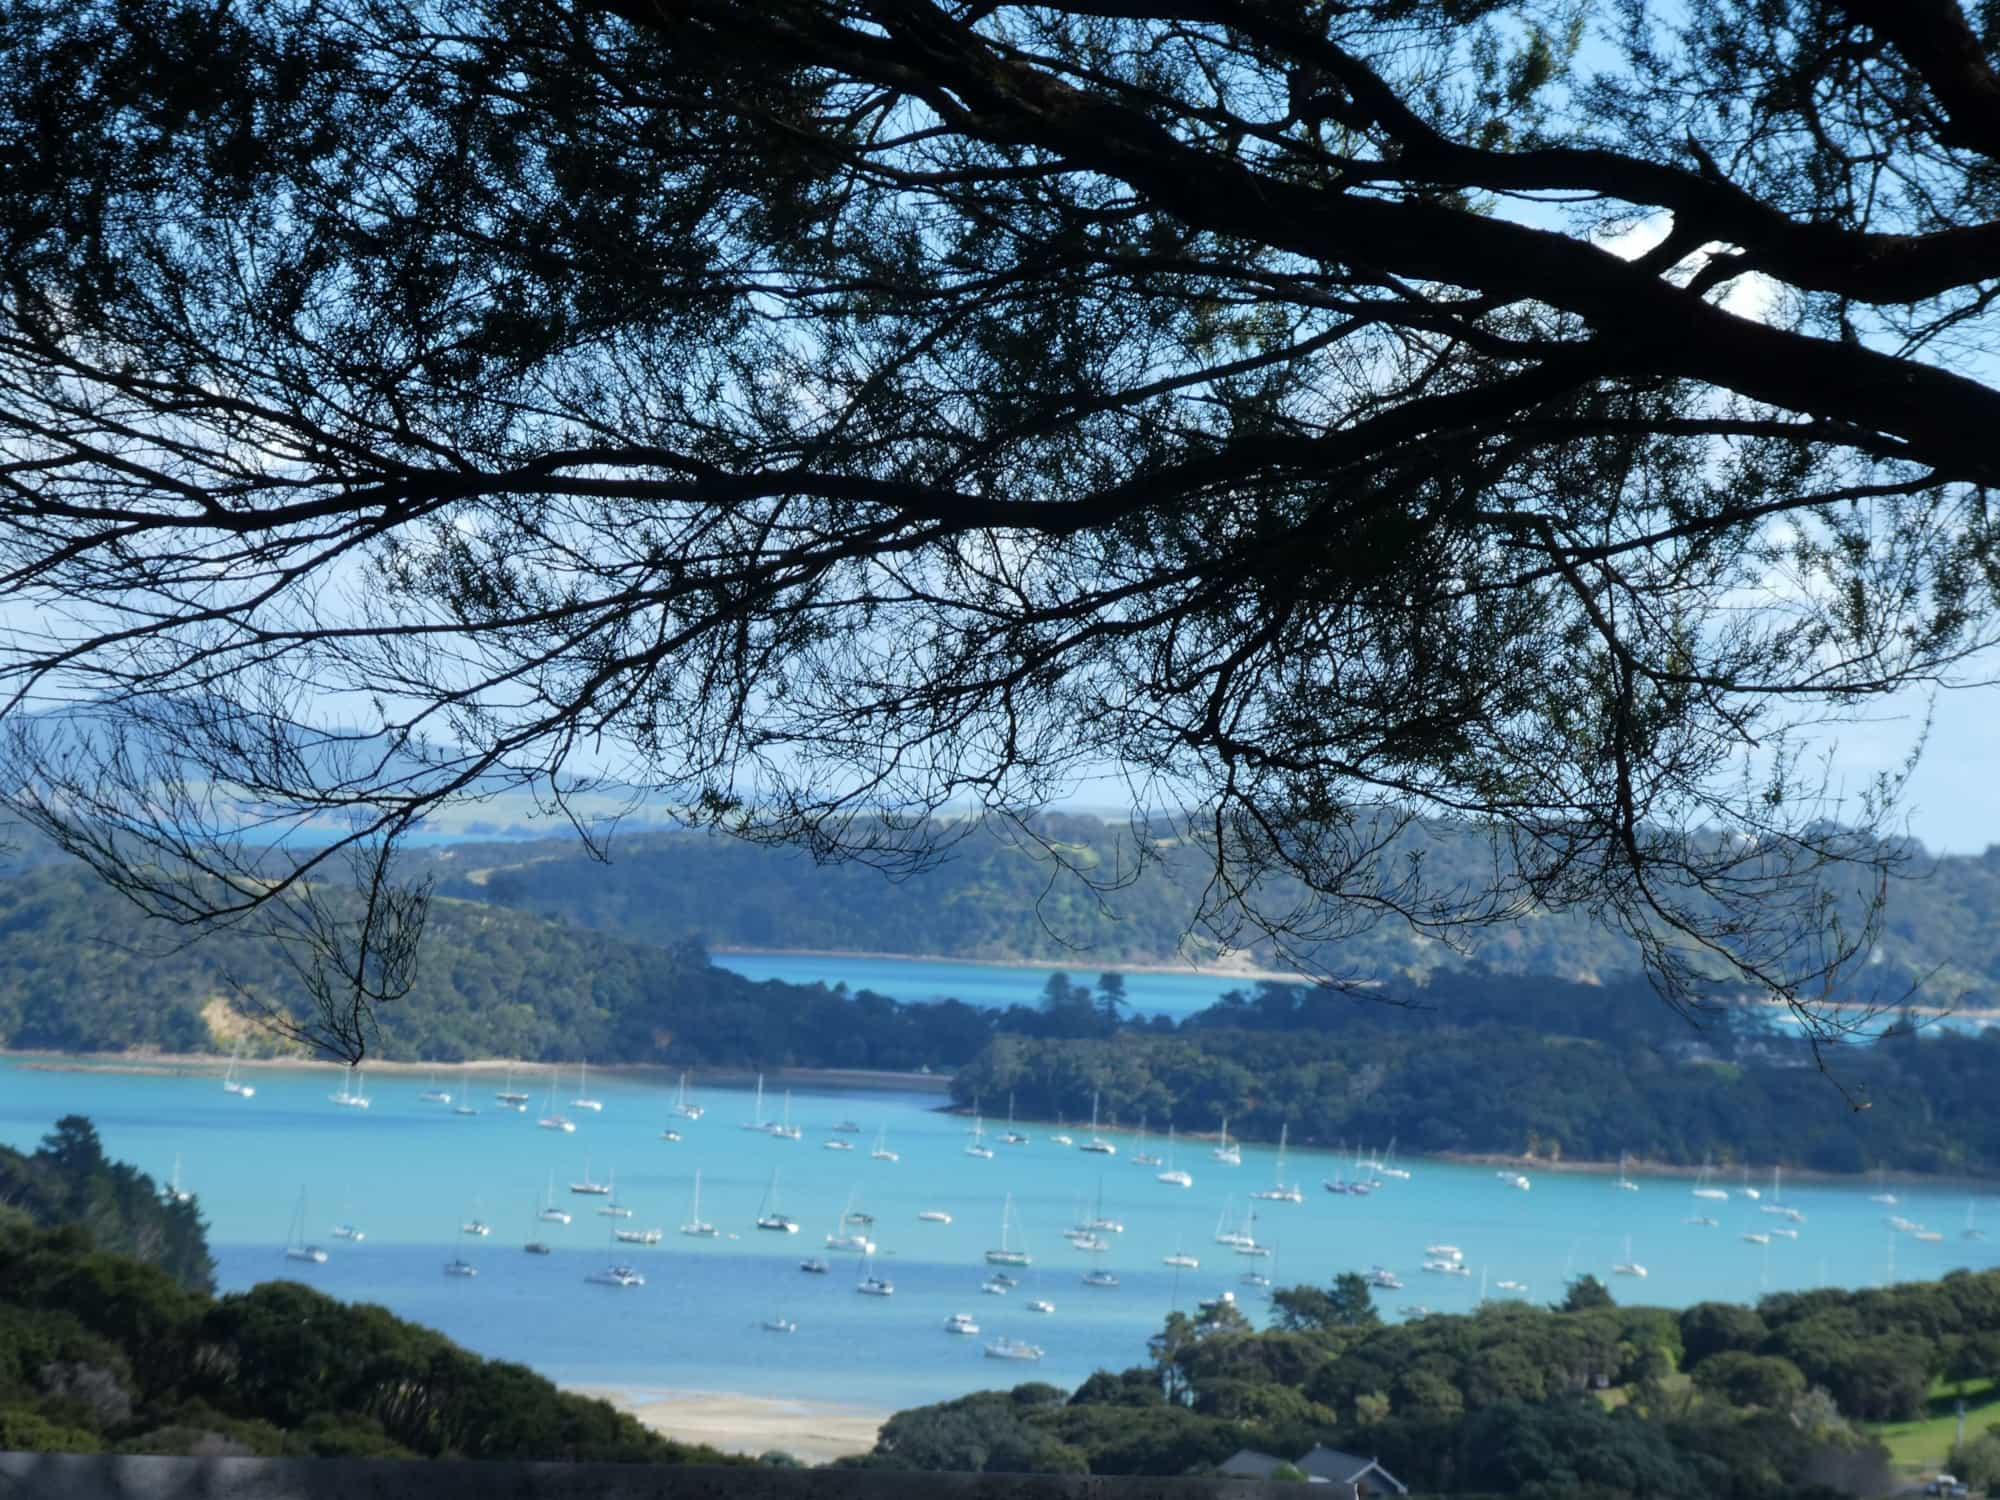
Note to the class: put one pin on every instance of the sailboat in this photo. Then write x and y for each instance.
(978, 1147)
(351, 1094)
(785, 1130)
(1141, 1157)
(346, 1229)
(1703, 1190)
(1747, 1191)
(534, 1246)
(1248, 1244)
(768, 1216)
(871, 1285)
(550, 1120)
(508, 1096)
(758, 1122)
(844, 1238)
(696, 1226)
(1013, 1137)
(1097, 1223)
(1401, 1174)
(1227, 1152)
(475, 1225)
(612, 1208)
(231, 1084)
(1007, 1255)
(589, 1188)
(682, 1108)
(1777, 1207)
(550, 1214)
(458, 1265)
(1281, 1191)
(1061, 1137)
(434, 1094)
(173, 1192)
(583, 1099)
(882, 1151)
(1181, 1259)
(1173, 1176)
(1882, 1193)
(1226, 1233)
(296, 1247)
(1624, 1183)
(1097, 1143)
(1628, 1266)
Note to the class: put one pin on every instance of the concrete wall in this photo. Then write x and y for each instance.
(65, 1476)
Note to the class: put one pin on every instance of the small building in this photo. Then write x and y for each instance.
(1248, 1463)
(1351, 1475)
(1362, 1478)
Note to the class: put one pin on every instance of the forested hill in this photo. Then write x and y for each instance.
(78, 974)
(995, 898)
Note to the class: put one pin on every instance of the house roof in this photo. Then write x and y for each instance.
(1345, 1468)
(1248, 1463)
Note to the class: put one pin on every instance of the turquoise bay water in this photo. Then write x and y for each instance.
(410, 1172)
(992, 986)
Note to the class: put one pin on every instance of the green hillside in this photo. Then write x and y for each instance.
(994, 898)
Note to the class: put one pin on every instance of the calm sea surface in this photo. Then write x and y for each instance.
(410, 1173)
(995, 986)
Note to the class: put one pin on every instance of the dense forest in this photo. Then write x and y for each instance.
(70, 1181)
(1509, 1065)
(1585, 1399)
(998, 897)
(105, 1347)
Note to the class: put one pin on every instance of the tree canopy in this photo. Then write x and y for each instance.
(814, 414)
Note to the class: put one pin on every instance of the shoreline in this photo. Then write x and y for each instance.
(814, 1432)
(145, 1062)
(1227, 968)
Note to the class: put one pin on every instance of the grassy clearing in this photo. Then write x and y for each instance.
(1920, 1446)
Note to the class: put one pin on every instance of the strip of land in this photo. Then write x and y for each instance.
(146, 1061)
(814, 1432)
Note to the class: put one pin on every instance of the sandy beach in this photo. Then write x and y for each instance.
(813, 1432)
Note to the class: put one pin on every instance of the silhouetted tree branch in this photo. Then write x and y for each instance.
(807, 417)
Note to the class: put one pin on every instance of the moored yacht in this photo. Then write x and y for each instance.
(960, 1323)
(1015, 1349)
(1281, 1191)
(697, 1227)
(1008, 1254)
(681, 1106)
(1097, 1143)
(231, 1084)
(616, 1275)
(583, 1099)
(768, 1215)
(1173, 1176)
(352, 1093)
(1226, 1151)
